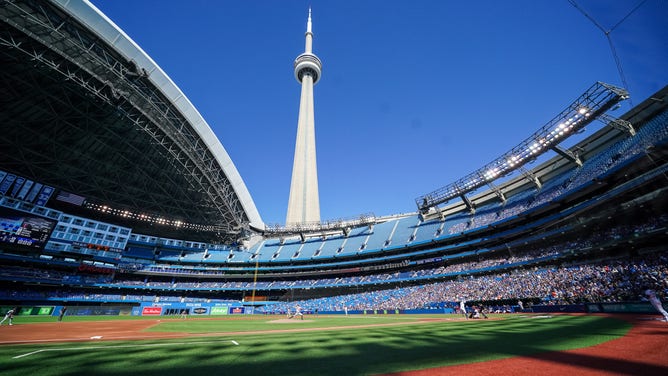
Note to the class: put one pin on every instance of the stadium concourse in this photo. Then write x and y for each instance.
(117, 198)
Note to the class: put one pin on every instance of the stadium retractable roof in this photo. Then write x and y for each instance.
(84, 109)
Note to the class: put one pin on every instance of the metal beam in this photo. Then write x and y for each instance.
(468, 203)
(573, 157)
(621, 124)
(531, 177)
(497, 191)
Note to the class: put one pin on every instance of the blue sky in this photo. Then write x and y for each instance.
(413, 95)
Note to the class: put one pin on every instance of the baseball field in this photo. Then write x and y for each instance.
(336, 345)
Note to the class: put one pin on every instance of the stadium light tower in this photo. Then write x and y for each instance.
(304, 204)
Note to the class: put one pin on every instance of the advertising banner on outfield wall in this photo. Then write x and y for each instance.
(151, 311)
(237, 310)
(93, 310)
(219, 310)
(41, 311)
(642, 307)
(30, 311)
(199, 311)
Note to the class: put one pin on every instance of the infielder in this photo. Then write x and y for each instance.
(8, 316)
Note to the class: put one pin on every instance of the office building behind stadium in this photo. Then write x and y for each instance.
(116, 197)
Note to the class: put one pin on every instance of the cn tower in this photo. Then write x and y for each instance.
(304, 204)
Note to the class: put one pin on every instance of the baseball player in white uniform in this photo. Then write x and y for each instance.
(8, 316)
(656, 303)
(462, 308)
(298, 312)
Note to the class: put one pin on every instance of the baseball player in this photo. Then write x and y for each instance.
(654, 301)
(298, 312)
(8, 316)
(462, 308)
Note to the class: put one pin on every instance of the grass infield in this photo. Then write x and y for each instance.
(327, 345)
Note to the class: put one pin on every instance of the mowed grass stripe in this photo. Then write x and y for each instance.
(277, 323)
(357, 351)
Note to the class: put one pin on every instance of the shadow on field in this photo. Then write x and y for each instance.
(360, 351)
(611, 365)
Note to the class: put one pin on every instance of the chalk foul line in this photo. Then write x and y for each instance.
(27, 354)
(118, 347)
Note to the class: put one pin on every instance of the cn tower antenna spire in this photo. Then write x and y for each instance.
(308, 23)
(304, 202)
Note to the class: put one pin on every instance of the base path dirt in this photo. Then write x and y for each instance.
(81, 331)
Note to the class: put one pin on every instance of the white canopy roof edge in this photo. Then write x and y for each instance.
(89, 15)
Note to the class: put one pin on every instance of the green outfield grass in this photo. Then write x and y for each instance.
(334, 350)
